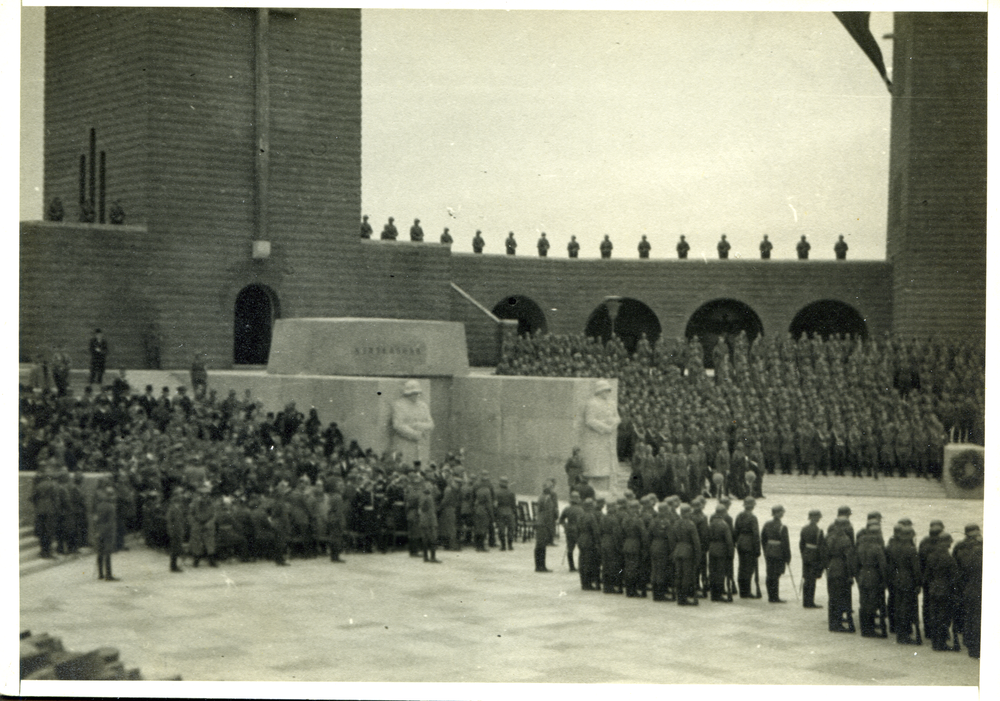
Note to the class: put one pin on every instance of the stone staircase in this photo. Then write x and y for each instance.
(30, 559)
(886, 487)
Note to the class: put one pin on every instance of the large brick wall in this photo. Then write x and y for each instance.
(937, 196)
(172, 95)
(568, 291)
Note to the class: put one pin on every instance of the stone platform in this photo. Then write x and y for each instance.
(478, 618)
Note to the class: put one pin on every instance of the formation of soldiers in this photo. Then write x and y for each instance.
(391, 233)
(813, 406)
(680, 554)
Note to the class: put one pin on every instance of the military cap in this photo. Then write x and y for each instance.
(936, 526)
(777, 508)
(685, 509)
(875, 515)
(725, 500)
(720, 509)
(815, 513)
(844, 511)
(574, 497)
(749, 502)
(906, 522)
(971, 528)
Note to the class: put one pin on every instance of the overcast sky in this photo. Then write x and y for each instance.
(604, 122)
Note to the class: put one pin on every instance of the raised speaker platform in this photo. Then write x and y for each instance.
(368, 348)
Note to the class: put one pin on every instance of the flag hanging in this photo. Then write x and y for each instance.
(856, 24)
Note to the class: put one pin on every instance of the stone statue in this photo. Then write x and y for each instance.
(600, 433)
(411, 424)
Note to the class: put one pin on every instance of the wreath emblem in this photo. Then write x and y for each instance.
(967, 469)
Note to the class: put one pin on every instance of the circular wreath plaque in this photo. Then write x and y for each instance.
(967, 469)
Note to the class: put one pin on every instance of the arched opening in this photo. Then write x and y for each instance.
(530, 317)
(722, 318)
(827, 318)
(632, 321)
(254, 314)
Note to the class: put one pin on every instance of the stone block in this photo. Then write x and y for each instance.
(368, 347)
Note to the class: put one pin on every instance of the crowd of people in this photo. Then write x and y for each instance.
(213, 479)
(838, 406)
(679, 553)
(391, 233)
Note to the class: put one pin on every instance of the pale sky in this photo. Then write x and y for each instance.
(603, 122)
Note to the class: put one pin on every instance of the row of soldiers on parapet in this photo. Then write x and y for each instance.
(391, 233)
(684, 555)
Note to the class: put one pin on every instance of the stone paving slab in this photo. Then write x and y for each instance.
(477, 618)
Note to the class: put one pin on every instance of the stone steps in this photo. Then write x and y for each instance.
(889, 487)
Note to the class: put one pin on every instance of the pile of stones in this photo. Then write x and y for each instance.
(43, 657)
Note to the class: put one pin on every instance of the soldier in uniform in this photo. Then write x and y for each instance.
(416, 233)
(573, 247)
(700, 521)
(686, 555)
(777, 552)
(336, 520)
(940, 576)
(765, 249)
(841, 566)
(634, 543)
(802, 248)
(450, 505)
(747, 541)
(428, 523)
(544, 526)
(873, 573)
(606, 247)
(201, 518)
(723, 248)
(548, 509)
(45, 502)
(366, 228)
(105, 523)
(574, 469)
(812, 550)
(477, 242)
(969, 557)
(569, 519)
(682, 248)
(611, 537)
(927, 545)
(660, 547)
(904, 572)
(176, 519)
(446, 237)
(720, 554)
(840, 248)
(644, 248)
(389, 231)
(589, 540)
(78, 515)
(506, 514)
(482, 514)
(543, 246)
(510, 244)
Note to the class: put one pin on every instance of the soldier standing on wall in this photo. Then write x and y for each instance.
(478, 242)
(644, 247)
(573, 247)
(765, 249)
(366, 228)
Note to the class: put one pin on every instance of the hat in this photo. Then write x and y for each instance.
(905, 521)
(815, 513)
(971, 528)
(749, 502)
(685, 509)
(411, 387)
(936, 526)
(720, 509)
(844, 511)
(777, 508)
(875, 515)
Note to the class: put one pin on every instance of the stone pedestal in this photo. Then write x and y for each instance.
(368, 348)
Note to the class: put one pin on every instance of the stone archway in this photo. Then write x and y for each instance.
(634, 319)
(529, 316)
(723, 318)
(254, 314)
(826, 318)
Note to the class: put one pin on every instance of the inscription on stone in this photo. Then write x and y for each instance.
(409, 350)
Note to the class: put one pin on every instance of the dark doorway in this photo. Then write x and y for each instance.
(530, 317)
(827, 318)
(722, 318)
(633, 320)
(254, 315)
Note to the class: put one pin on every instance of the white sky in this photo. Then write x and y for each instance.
(604, 122)
(626, 123)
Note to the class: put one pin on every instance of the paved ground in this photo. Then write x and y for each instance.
(479, 617)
